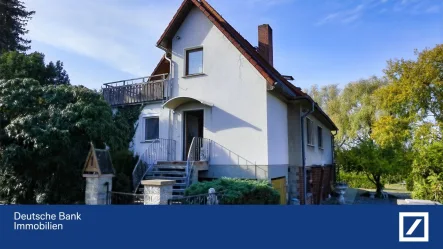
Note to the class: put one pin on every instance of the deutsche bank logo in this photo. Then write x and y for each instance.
(414, 226)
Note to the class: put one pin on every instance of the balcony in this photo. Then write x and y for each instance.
(136, 91)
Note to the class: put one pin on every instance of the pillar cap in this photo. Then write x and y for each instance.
(158, 182)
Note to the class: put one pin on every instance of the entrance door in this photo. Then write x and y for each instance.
(279, 184)
(193, 127)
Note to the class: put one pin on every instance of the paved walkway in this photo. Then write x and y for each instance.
(355, 198)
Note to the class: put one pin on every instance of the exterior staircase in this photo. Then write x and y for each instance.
(155, 163)
(175, 170)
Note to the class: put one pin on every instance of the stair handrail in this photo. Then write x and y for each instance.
(158, 149)
(198, 151)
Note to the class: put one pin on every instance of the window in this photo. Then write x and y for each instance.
(310, 133)
(320, 137)
(194, 61)
(151, 128)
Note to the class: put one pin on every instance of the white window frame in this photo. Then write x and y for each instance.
(143, 128)
(185, 68)
(309, 132)
(320, 137)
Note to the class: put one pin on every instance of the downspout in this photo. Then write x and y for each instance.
(169, 93)
(332, 156)
(303, 153)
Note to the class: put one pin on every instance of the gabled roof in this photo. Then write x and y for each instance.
(98, 162)
(249, 51)
(104, 161)
(271, 75)
(162, 67)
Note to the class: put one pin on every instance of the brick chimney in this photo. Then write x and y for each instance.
(265, 47)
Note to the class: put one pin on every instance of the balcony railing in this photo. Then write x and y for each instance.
(136, 91)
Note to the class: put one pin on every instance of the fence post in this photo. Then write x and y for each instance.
(157, 192)
(97, 188)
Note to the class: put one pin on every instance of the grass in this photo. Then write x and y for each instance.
(397, 190)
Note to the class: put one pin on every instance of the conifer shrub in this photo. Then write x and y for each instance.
(238, 191)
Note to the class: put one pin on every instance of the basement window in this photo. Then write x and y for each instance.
(194, 61)
(320, 137)
(309, 131)
(151, 128)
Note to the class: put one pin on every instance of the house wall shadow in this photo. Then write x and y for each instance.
(226, 163)
(223, 120)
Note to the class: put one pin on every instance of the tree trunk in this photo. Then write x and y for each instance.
(378, 184)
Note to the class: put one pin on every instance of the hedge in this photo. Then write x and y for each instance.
(238, 191)
(355, 180)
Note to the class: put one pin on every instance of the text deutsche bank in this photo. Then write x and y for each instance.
(43, 221)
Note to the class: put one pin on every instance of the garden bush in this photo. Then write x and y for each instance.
(355, 180)
(238, 191)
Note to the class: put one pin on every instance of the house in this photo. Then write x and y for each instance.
(215, 106)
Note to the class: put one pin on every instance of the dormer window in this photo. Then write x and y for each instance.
(194, 61)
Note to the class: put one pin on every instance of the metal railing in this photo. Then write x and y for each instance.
(137, 90)
(198, 151)
(119, 198)
(158, 150)
(197, 199)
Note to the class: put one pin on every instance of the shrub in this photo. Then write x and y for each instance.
(123, 162)
(355, 180)
(238, 191)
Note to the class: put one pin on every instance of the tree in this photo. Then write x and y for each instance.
(412, 105)
(19, 65)
(415, 89)
(352, 109)
(44, 139)
(374, 161)
(13, 20)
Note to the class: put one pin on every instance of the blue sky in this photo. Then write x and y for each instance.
(317, 41)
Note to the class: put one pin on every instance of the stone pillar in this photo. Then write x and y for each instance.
(157, 192)
(97, 188)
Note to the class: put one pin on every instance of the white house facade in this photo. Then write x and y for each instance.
(216, 107)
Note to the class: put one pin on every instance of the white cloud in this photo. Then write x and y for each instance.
(269, 3)
(350, 14)
(344, 16)
(119, 34)
(433, 9)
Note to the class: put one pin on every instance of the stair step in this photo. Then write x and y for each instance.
(177, 163)
(180, 184)
(169, 167)
(172, 172)
(183, 178)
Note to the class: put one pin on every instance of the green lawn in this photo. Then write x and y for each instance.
(398, 190)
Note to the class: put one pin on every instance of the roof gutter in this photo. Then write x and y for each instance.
(333, 156)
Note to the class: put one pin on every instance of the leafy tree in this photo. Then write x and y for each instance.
(412, 105)
(352, 109)
(13, 19)
(415, 89)
(44, 139)
(374, 161)
(19, 65)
